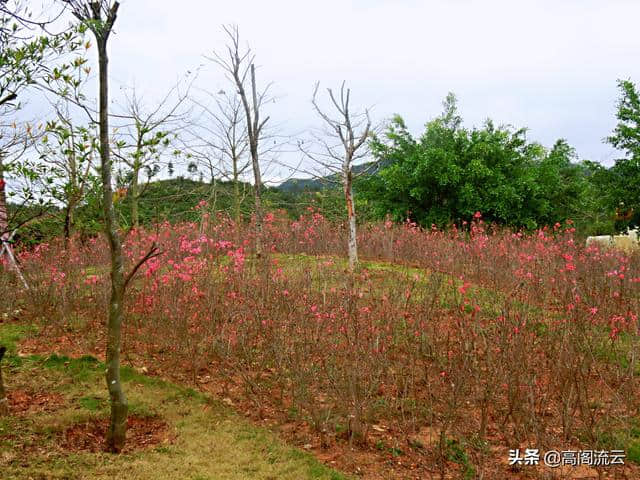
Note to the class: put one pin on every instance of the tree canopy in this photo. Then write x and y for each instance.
(451, 172)
(624, 184)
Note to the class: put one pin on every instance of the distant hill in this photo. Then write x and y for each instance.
(174, 199)
(299, 185)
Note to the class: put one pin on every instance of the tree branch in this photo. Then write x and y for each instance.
(152, 253)
(8, 98)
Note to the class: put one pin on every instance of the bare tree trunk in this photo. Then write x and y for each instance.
(351, 217)
(253, 140)
(4, 214)
(258, 211)
(67, 226)
(4, 404)
(133, 196)
(72, 193)
(68, 221)
(237, 216)
(236, 189)
(118, 425)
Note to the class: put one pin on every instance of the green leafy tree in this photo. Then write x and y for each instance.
(29, 57)
(70, 152)
(562, 184)
(626, 135)
(597, 216)
(450, 172)
(625, 174)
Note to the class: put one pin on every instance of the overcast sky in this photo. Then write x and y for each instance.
(549, 65)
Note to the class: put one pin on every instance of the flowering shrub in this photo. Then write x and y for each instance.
(476, 331)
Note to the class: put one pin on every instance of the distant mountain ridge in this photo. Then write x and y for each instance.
(298, 185)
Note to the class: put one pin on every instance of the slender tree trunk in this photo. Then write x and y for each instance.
(351, 218)
(236, 191)
(236, 202)
(4, 403)
(118, 425)
(257, 205)
(68, 222)
(237, 215)
(72, 191)
(205, 215)
(133, 196)
(257, 190)
(4, 214)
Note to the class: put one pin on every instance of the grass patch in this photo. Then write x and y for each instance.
(633, 452)
(205, 439)
(627, 439)
(12, 333)
(458, 454)
(91, 403)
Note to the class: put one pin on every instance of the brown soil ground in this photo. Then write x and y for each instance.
(387, 454)
(142, 433)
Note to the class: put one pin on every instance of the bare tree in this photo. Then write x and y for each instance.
(342, 143)
(146, 134)
(221, 142)
(100, 17)
(240, 68)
